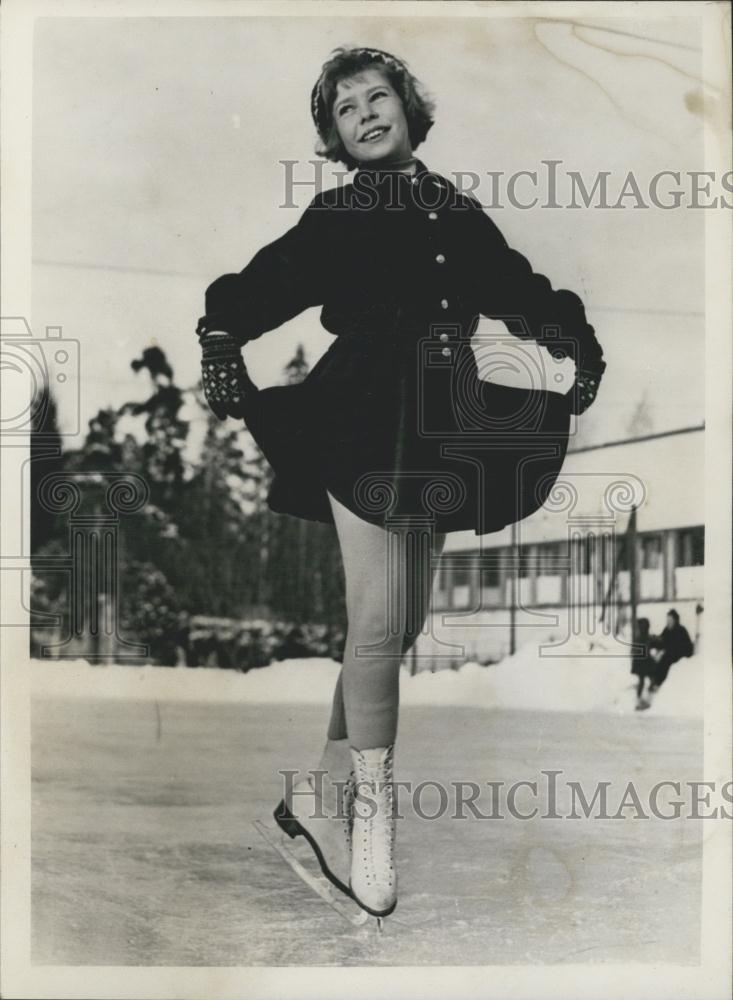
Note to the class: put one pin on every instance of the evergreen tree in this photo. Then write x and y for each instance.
(206, 542)
(162, 452)
(216, 522)
(150, 610)
(48, 529)
(297, 368)
(46, 458)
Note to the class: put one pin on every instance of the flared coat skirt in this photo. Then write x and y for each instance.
(404, 428)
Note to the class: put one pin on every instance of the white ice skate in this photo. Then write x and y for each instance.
(373, 873)
(319, 809)
(344, 905)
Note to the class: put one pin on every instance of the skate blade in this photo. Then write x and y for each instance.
(318, 883)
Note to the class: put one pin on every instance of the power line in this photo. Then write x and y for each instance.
(636, 440)
(87, 266)
(651, 312)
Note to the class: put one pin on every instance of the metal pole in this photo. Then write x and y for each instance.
(513, 592)
(633, 570)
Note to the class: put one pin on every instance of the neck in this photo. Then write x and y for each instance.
(408, 165)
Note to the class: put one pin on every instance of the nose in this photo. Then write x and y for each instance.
(367, 113)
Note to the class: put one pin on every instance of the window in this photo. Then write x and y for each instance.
(490, 574)
(460, 587)
(585, 555)
(651, 551)
(651, 557)
(552, 558)
(691, 547)
(689, 570)
(527, 560)
(605, 554)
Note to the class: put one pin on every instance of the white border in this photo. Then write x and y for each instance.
(595, 982)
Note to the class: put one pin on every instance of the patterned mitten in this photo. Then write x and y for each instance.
(224, 375)
(587, 382)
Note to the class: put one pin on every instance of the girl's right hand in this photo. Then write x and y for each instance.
(223, 373)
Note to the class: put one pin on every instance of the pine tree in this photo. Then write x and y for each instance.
(46, 458)
(162, 452)
(297, 368)
(221, 498)
(49, 530)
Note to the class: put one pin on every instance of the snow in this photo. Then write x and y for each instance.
(579, 681)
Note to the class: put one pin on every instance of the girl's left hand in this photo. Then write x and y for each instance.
(585, 388)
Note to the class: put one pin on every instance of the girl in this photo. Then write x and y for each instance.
(392, 437)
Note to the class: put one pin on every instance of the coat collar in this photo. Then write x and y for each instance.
(378, 174)
(392, 186)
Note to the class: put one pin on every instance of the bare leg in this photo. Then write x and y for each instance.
(373, 649)
(419, 591)
(374, 578)
(337, 722)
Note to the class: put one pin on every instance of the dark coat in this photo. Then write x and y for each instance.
(394, 418)
(675, 643)
(643, 665)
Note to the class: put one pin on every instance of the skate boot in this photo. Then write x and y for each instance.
(373, 874)
(319, 809)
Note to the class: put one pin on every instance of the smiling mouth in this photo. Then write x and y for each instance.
(375, 134)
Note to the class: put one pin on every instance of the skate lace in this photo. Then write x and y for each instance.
(378, 838)
(347, 809)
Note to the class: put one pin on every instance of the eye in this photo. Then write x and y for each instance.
(343, 109)
(379, 93)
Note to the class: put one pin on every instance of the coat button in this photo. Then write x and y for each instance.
(444, 337)
(432, 216)
(444, 303)
(440, 258)
(446, 352)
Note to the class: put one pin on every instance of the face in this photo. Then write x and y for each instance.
(370, 118)
(671, 621)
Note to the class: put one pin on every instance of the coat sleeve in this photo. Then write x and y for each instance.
(528, 304)
(282, 279)
(687, 648)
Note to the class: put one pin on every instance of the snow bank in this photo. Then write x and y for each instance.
(577, 681)
(306, 681)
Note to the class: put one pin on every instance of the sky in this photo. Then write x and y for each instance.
(156, 167)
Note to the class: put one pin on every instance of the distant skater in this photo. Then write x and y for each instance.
(663, 651)
(674, 643)
(643, 664)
